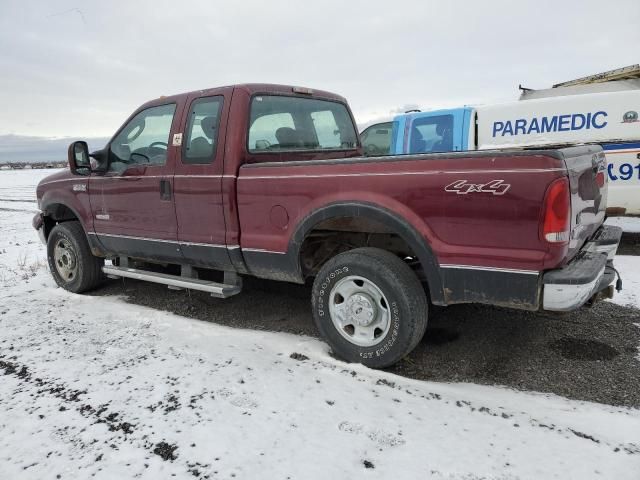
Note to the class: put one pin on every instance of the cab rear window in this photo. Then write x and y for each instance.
(280, 123)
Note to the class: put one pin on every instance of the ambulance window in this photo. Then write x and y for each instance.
(432, 134)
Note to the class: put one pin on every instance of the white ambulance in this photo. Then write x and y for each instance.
(604, 113)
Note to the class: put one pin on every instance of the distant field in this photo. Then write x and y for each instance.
(17, 188)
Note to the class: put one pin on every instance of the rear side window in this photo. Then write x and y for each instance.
(432, 134)
(202, 131)
(376, 139)
(279, 123)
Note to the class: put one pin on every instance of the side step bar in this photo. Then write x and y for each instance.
(220, 290)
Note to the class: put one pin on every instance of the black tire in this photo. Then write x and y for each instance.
(402, 291)
(87, 269)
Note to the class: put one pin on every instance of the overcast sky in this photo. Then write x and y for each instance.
(78, 68)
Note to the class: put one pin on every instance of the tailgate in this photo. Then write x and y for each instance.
(587, 170)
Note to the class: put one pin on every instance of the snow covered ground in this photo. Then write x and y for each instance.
(93, 387)
(628, 224)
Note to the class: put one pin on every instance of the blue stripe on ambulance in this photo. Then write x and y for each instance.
(620, 146)
(622, 171)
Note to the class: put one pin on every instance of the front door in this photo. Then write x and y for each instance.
(199, 179)
(132, 203)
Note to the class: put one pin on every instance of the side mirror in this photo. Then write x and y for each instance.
(78, 157)
(98, 161)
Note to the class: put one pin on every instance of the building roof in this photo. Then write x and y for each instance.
(624, 73)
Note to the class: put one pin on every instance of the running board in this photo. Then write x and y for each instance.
(220, 290)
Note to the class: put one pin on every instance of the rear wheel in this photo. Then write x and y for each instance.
(369, 306)
(71, 262)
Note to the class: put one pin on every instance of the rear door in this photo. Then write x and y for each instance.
(199, 179)
(132, 203)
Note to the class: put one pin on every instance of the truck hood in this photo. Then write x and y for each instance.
(51, 180)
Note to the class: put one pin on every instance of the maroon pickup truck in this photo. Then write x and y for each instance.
(196, 190)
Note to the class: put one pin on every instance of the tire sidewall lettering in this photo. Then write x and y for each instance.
(322, 301)
(393, 333)
(322, 309)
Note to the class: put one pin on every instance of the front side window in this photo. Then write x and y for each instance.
(200, 143)
(280, 123)
(432, 134)
(144, 140)
(376, 139)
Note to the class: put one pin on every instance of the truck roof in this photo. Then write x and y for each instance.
(251, 88)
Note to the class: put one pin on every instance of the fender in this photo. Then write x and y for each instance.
(386, 217)
(54, 197)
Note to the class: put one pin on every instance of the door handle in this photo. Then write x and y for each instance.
(165, 190)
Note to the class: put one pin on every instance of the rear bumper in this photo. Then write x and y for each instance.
(587, 276)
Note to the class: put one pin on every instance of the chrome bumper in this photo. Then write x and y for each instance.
(589, 275)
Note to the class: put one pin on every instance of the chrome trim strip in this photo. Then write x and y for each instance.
(212, 245)
(120, 177)
(490, 269)
(134, 238)
(195, 244)
(262, 250)
(107, 177)
(75, 179)
(385, 174)
(205, 176)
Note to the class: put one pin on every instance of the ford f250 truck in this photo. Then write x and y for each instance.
(197, 190)
(606, 118)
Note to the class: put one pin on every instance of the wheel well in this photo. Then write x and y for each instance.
(57, 213)
(340, 234)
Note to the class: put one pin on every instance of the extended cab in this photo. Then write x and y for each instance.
(606, 118)
(197, 190)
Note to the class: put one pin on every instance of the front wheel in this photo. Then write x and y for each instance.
(71, 262)
(369, 306)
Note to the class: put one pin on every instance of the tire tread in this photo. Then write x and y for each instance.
(92, 274)
(401, 275)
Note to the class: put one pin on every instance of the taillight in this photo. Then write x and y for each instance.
(600, 178)
(557, 212)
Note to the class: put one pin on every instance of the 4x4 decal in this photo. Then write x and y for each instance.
(461, 187)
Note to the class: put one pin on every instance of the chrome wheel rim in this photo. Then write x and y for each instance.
(65, 260)
(359, 311)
